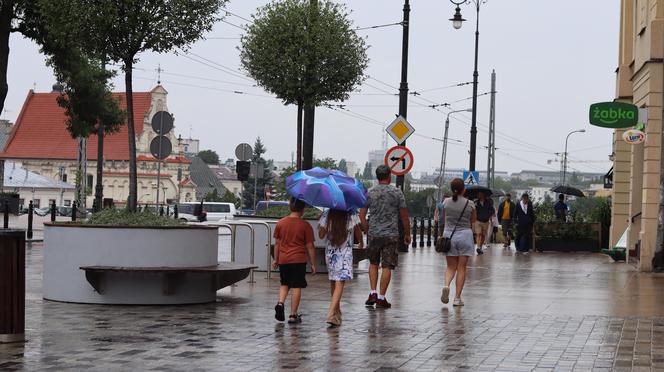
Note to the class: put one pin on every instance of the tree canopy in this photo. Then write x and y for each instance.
(209, 156)
(304, 51)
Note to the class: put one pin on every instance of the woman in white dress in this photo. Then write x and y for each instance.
(339, 229)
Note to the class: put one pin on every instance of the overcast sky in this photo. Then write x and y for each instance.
(552, 59)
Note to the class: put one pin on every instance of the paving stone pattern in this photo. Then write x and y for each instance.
(543, 312)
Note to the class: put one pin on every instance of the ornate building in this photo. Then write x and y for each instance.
(39, 141)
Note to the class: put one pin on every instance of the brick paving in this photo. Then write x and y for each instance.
(543, 312)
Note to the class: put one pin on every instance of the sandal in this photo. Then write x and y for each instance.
(294, 319)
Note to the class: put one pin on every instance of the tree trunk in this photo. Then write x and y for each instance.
(133, 182)
(308, 138)
(6, 15)
(298, 162)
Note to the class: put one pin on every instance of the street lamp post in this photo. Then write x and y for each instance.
(443, 155)
(457, 22)
(565, 153)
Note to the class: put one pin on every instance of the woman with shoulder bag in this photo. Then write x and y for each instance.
(460, 216)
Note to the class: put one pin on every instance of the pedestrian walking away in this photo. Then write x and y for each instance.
(438, 215)
(386, 205)
(485, 212)
(294, 241)
(339, 229)
(525, 224)
(460, 215)
(506, 211)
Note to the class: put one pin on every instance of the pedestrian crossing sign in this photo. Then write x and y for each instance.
(471, 178)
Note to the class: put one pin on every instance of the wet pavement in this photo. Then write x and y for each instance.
(541, 312)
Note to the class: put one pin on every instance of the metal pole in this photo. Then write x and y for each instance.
(255, 184)
(99, 188)
(403, 87)
(161, 130)
(6, 215)
(491, 165)
(473, 126)
(31, 211)
(443, 155)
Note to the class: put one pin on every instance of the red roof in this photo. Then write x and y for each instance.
(40, 131)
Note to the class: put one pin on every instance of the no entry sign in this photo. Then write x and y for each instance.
(399, 159)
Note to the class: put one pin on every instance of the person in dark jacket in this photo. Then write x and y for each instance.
(524, 218)
(506, 211)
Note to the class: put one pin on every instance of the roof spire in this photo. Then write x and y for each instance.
(159, 70)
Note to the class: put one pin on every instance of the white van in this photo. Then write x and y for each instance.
(214, 211)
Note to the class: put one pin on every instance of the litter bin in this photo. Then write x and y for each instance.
(12, 285)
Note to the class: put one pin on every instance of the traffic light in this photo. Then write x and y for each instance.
(242, 168)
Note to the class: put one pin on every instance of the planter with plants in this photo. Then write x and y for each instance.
(122, 239)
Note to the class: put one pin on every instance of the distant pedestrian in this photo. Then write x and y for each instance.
(387, 206)
(294, 240)
(339, 229)
(560, 209)
(460, 215)
(525, 224)
(506, 211)
(438, 215)
(485, 213)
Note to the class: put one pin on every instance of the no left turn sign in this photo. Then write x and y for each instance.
(399, 159)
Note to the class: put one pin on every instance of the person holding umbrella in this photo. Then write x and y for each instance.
(339, 228)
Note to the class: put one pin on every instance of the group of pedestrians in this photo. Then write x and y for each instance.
(465, 223)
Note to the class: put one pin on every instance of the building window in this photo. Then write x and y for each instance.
(64, 177)
(36, 203)
(51, 201)
(21, 203)
(90, 180)
(67, 203)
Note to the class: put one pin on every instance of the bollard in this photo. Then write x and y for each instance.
(6, 215)
(31, 211)
(74, 206)
(12, 287)
(414, 243)
(161, 211)
(422, 233)
(53, 211)
(175, 211)
(429, 233)
(168, 210)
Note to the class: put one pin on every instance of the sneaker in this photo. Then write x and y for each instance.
(383, 304)
(457, 302)
(279, 312)
(373, 297)
(295, 319)
(445, 297)
(480, 251)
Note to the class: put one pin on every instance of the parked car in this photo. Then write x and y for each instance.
(44, 211)
(214, 211)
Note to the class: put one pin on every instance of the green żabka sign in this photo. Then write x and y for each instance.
(614, 115)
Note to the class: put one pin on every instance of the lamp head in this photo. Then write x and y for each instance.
(457, 20)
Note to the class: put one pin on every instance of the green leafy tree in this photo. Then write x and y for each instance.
(280, 184)
(306, 52)
(417, 202)
(12, 17)
(327, 163)
(119, 30)
(343, 166)
(367, 174)
(209, 156)
(266, 179)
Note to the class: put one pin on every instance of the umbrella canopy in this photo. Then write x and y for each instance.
(568, 190)
(472, 191)
(327, 188)
(497, 193)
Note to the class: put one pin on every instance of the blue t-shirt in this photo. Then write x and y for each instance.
(439, 208)
(561, 210)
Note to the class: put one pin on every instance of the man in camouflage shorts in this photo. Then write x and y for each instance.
(385, 206)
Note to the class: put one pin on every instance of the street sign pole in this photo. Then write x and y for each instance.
(161, 129)
(403, 87)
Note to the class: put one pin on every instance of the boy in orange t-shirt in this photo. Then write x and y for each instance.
(294, 239)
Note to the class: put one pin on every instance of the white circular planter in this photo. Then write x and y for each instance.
(68, 247)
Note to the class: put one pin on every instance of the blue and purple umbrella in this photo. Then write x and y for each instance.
(327, 188)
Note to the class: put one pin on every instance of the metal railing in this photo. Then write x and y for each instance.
(268, 245)
(232, 226)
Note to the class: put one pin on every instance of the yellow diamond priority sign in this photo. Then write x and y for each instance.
(400, 129)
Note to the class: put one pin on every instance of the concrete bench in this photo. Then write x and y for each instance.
(221, 275)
